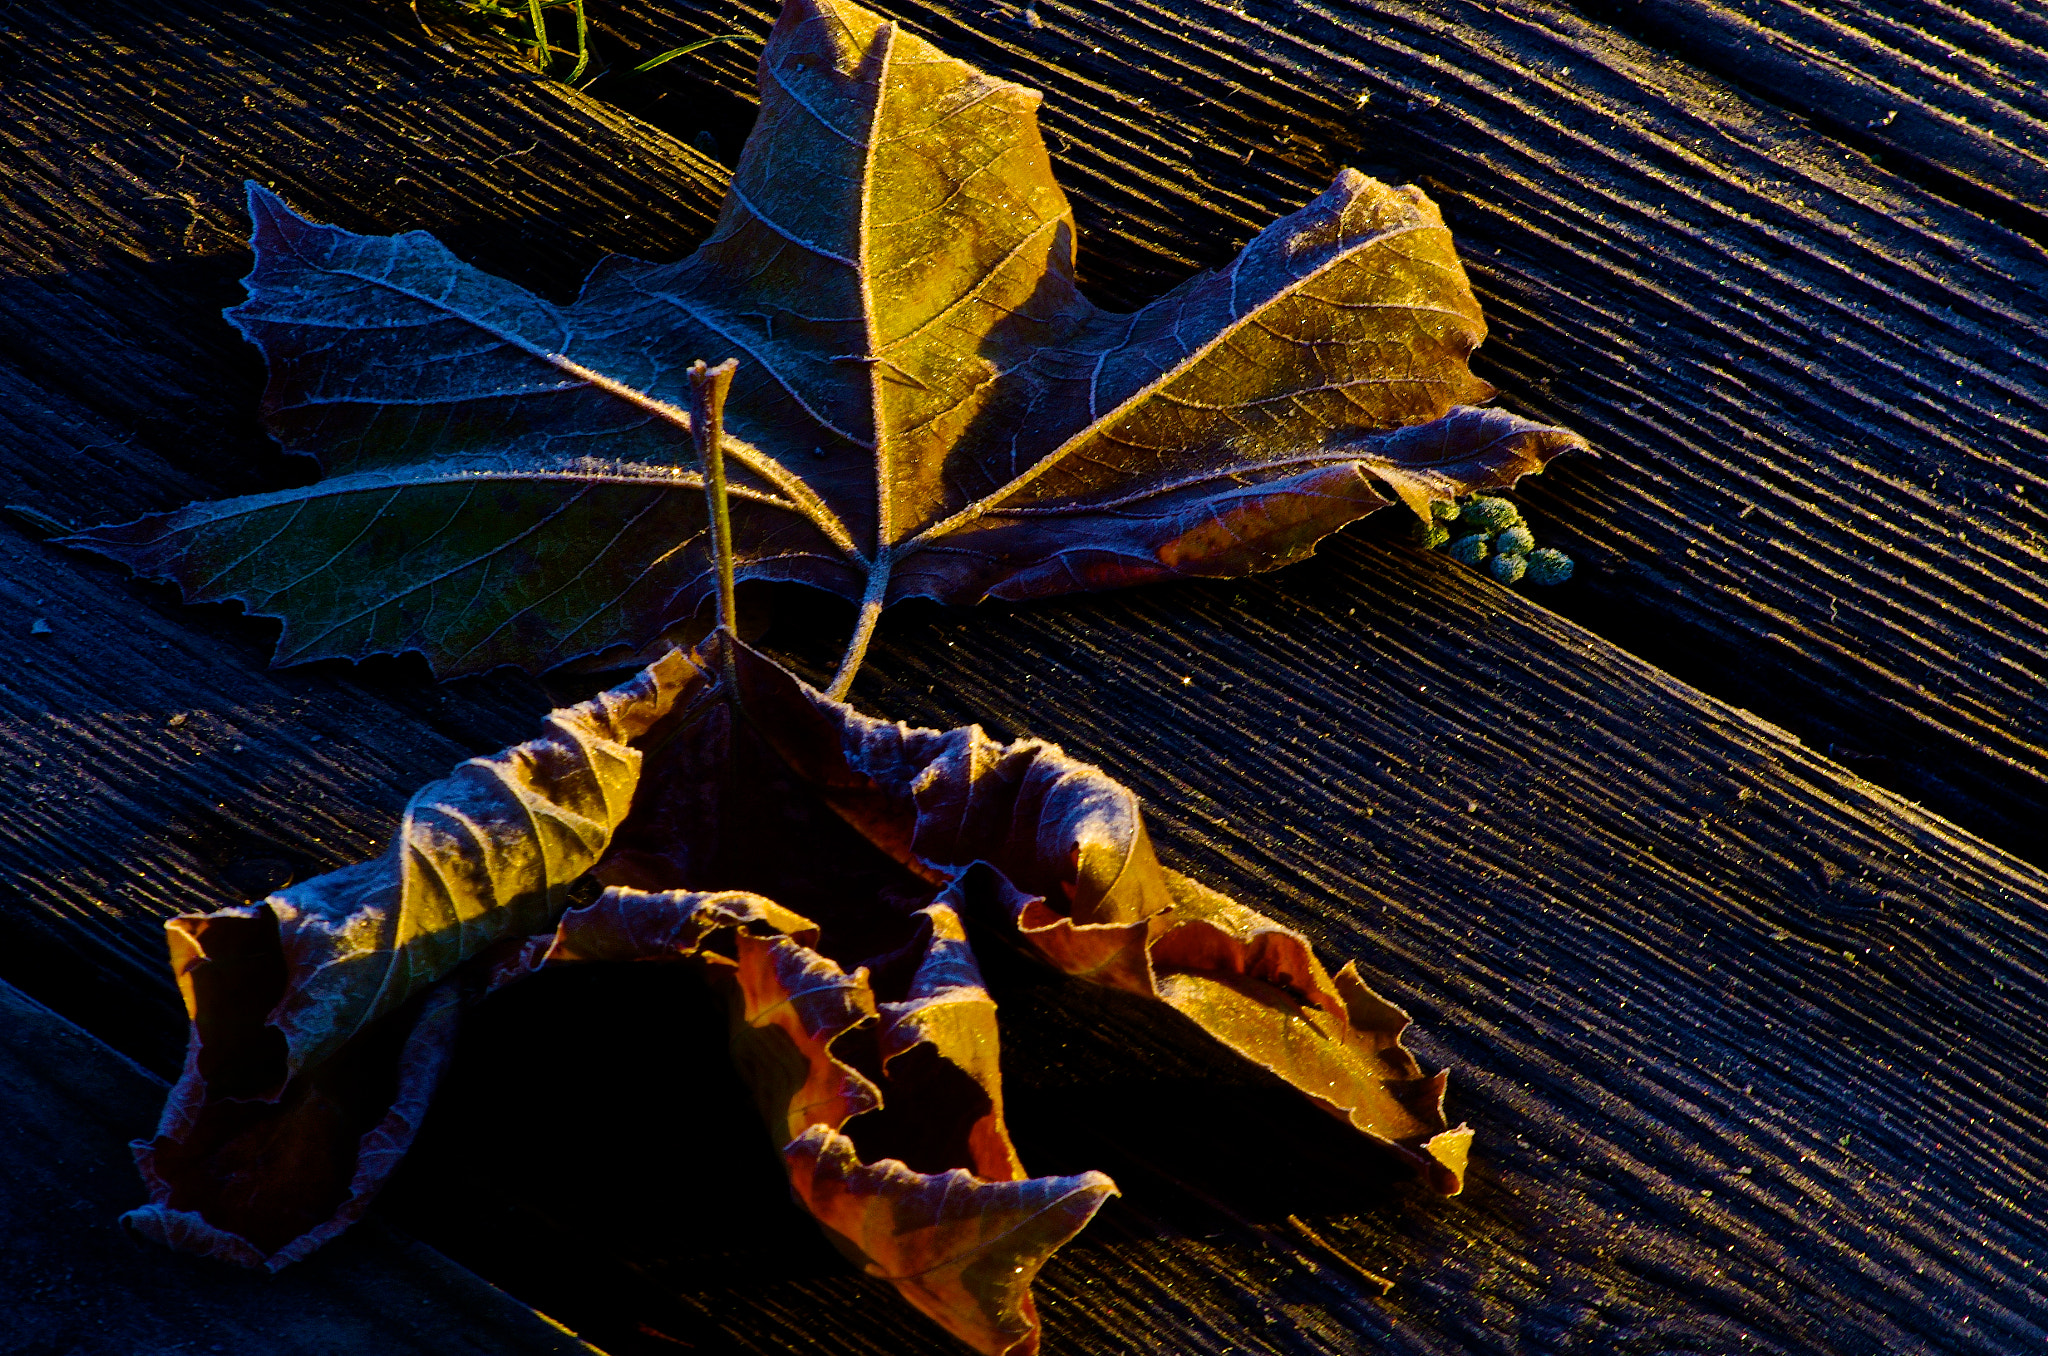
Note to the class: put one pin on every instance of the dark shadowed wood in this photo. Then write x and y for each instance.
(75, 1283)
(1618, 908)
(1814, 384)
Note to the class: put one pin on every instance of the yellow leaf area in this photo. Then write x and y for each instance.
(925, 404)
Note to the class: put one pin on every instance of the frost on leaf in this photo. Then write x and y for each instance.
(831, 874)
(926, 405)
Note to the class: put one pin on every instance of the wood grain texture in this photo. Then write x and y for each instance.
(1657, 939)
(1748, 1041)
(1618, 908)
(151, 769)
(1814, 385)
(125, 203)
(122, 392)
(75, 1283)
(1957, 93)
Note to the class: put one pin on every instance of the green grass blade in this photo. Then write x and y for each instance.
(582, 44)
(540, 36)
(688, 48)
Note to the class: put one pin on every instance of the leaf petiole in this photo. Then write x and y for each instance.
(708, 387)
(863, 630)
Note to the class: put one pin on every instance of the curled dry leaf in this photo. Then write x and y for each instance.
(927, 406)
(828, 872)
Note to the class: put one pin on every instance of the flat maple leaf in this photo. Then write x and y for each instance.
(832, 874)
(926, 405)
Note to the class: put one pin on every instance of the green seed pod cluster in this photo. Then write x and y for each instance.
(1488, 514)
(1428, 535)
(1470, 550)
(1487, 532)
(1549, 566)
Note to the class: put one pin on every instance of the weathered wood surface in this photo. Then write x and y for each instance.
(121, 391)
(1959, 93)
(1631, 949)
(1815, 385)
(73, 1282)
(1658, 940)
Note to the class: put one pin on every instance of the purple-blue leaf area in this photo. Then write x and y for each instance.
(925, 404)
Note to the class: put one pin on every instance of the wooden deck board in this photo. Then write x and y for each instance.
(1631, 951)
(1815, 381)
(75, 1283)
(1632, 954)
(1955, 92)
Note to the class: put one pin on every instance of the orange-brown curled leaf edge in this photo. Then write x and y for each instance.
(826, 871)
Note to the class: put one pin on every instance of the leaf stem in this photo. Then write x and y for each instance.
(863, 631)
(1373, 1278)
(708, 387)
(799, 495)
